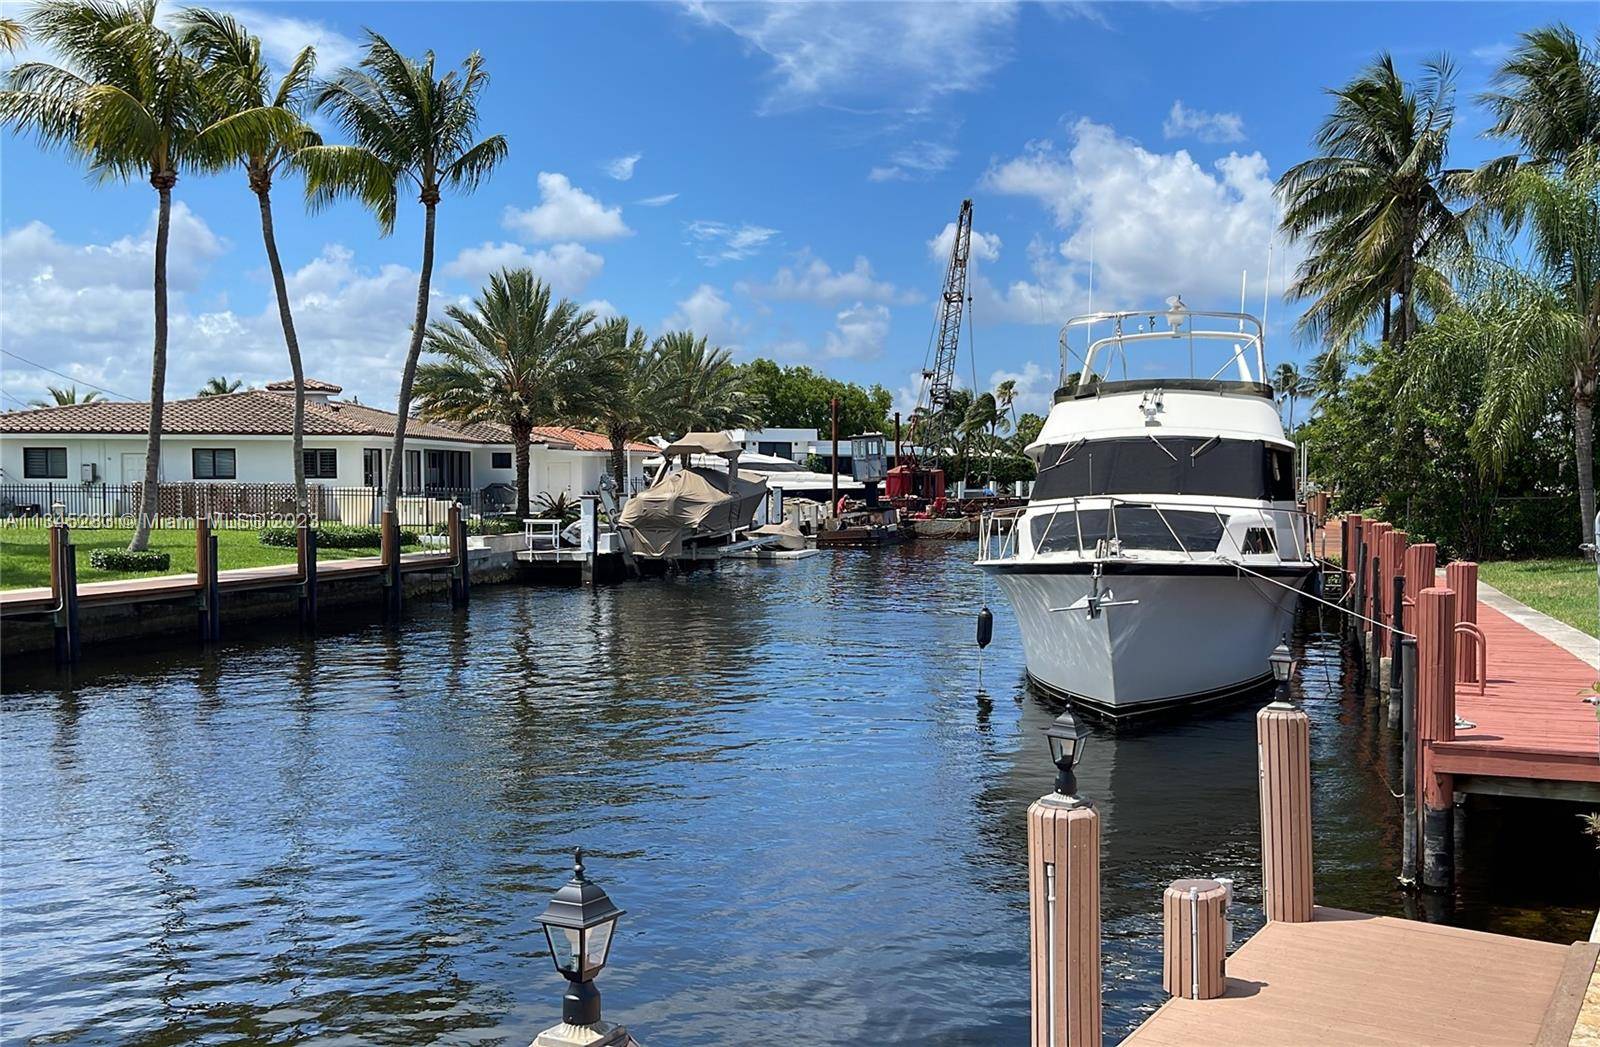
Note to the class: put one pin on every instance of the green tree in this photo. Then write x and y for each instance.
(238, 79)
(798, 397)
(412, 128)
(220, 385)
(700, 388)
(1005, 398)
(514, 357)
(1546, 97)
(1286, 382)
(60, 397)
(12, 35)
(632, 406)
(1373, 206)
(129, 103)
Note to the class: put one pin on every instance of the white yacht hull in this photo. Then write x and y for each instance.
(1190, 638)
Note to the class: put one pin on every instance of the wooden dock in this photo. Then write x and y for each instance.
(1375, 981)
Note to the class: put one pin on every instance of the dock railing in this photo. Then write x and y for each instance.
(1285, 530)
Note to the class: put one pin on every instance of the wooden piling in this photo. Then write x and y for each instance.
(203, 570)
(389, 551)
(1397, 626)
(1283, 742)
(1375, 630)
(1194, 939)
(306, 555)
(1436, 713)
(62, 593)
(1462, 576)
(459, 582)
(1358, 578)
(69, 563)
(1064, 922)
(1408, 761)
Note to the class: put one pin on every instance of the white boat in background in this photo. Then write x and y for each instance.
(1159, 558)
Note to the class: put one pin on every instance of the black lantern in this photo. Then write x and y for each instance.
(578, 924)
(1067, 737)
(1282, 662)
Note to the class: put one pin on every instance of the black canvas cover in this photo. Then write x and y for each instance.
(1156, 465)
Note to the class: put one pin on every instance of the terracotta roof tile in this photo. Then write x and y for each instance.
(313, 385)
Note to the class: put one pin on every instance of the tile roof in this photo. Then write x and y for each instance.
(259, 413)
(313, 385)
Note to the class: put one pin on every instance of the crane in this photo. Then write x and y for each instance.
(928, 426)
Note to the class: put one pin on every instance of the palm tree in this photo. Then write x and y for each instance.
(409, 128)
(1374, 206)
(12, 35)
(128, 101)
(1328, 372)
(700, 388)
(1005, 398)
(634, 403)
(1546, 96)
(238, 80)
(66, 397)
(513, 357)
(220, 385)
(1286, 381)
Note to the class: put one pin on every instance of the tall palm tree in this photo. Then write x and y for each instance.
(635, 402)
(1286, 381)
(1328, 372)
(1374, 206)
(220, 385)
(1005, 398)
(700, 388)
(1546, 96)
(60, 397)
(409, 127)
(238, 79)
(128, 102)
(515, 357)
(12, 35)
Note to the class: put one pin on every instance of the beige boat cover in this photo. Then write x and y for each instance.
(702, 443)
(788, 532)
(685, 504)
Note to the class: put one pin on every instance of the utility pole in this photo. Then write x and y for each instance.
(833, 468)
(897, 438)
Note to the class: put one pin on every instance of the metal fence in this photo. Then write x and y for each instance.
(240, 504)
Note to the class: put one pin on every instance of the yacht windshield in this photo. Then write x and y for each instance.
(1174, 465)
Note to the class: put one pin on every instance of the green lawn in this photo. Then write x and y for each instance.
(25, 552)
(1563, 589)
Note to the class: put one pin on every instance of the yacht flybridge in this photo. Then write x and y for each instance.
(1159, 558)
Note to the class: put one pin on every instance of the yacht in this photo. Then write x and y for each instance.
(1160, 556)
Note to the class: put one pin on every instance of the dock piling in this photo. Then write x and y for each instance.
(1408, 761)
(1283, 737)
(306, 553)
(1462, 576)
(1064, 921)
(208, 591)
(389, 548)
(459, 585)
(1436, 712)
(64, 593)
(1397, 620)
(1194, 939)
(1374, 635)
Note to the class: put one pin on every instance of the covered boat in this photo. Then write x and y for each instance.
(692, 504)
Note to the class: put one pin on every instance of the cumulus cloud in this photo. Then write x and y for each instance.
(565, 212)
(811, 279)
(985, 247)
(706, 312)
(914, 160)
(567, 268)
(716, 242)
(898, 55)
(1183, 122)
(622, 167)
(859, 333)
(284, 36)
(1159, 223)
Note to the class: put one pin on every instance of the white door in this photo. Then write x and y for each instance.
(132, 467)
(559, 478)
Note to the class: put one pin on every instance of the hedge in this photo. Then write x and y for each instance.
(126, 560)
(335, 536)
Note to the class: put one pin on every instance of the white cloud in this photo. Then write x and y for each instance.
(658, 201)
(811, 279)
(1160, 224)
(1035, 387)
(898, 55)
(622, 167)
(283, 37)
(602, 309)
(914, 160)
(985, 247)
(859, 332)
(720, 242)
(565, 212)
(567, 268)
(1183, 122)
(85, 309)
(706, 312)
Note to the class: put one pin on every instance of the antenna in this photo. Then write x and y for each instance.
(1088, 328)
(1266, 288)
(1244, 279)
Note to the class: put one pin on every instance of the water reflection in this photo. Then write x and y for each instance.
(785, 774)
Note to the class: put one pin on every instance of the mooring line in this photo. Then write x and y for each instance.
(1313, 596)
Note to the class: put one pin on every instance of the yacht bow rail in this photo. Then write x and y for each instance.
(1134, 326)
(998, 529)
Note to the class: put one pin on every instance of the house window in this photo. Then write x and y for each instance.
(500, 459)
(413, 471)
(44, 463)
(449, 470)
(775, 448)
(372, 467)
(214, 463)
(322, 464)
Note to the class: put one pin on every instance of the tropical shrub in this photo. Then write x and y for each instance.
(335, 536)
(129, 560)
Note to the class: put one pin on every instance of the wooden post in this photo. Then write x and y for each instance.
(1462, 577)
(1283, 741)
(833, 503)
(58, 592)
(389, 550)
(69, 561)
(459, 584)
(1374, 636)
(1436, 717)
(202, 577)
(1397, 623)
(1420, 571)
(1408, 761)
(306, 554)
(1358, 578)
(1064, 921)
(1194, 939)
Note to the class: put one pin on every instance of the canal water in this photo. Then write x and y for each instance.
(785, 774)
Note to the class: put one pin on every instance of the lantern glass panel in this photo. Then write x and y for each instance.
(566, 944)
(599, 944)
(1062, 748)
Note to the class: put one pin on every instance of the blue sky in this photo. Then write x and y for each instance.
(776, 177)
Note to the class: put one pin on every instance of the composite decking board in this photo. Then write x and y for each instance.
(1349, 978)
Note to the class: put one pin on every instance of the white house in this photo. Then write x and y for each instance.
(246, 438)
(793, 444)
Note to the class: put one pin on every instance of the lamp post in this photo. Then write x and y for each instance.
(1282, 661)
(578, 925)
(1067, 738)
